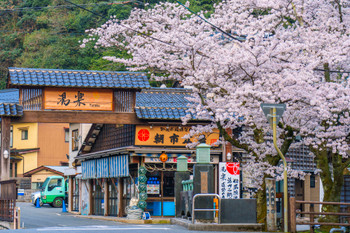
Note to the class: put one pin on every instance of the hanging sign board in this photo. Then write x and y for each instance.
(168, 136)
(150, 159)
(78, 99)
(229, 180)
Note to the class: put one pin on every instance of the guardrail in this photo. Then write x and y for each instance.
(312, 214)
(206, 195)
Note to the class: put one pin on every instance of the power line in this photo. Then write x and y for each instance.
(214, 26)
(333, 71)
(64, 6)
(164, 42)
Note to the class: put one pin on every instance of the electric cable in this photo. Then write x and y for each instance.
(214, 26)
(164, 42)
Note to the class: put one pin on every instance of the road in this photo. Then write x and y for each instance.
(48, 219)
(47, 216)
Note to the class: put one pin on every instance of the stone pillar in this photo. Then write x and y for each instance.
(179, 177)
(181, 174)
(203, 182)
(5, 146)
(271, 214)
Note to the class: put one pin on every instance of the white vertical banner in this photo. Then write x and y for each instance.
(229, 181)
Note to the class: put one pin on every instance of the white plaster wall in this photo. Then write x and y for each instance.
(83, 130)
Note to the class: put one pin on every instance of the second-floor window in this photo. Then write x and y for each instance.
(66, 135)
(75, 140)
(24, 134)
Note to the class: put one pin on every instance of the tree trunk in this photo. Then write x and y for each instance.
(261, 205)
(332, 178)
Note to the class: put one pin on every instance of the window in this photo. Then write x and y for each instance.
(24, 134)
(66, 135)
(75, 140)
(11, 136)
(54, 183)
(312, 181)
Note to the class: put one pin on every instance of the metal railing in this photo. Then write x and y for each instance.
(187, 185)
(206, 195)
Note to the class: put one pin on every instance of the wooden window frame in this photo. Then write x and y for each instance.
(24, 136)
(75, 140)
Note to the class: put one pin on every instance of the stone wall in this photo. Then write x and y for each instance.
(27, 195)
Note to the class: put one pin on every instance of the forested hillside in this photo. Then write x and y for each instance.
(47, 33)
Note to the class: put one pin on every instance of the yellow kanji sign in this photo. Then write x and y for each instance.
(168, 136)
(78, 99)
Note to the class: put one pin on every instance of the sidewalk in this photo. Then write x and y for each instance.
(233, 227)
(125, 220)
(182, 222)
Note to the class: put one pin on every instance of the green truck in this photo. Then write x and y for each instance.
(54, 191)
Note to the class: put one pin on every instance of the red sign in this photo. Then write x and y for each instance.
(143, 135)
(232, 168)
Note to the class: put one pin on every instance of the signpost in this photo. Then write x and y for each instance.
(273, 113)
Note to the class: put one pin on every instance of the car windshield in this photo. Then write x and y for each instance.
(45, 184)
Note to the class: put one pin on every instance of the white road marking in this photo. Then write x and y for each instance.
(99, 228)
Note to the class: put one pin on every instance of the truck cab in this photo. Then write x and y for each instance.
(54, 191)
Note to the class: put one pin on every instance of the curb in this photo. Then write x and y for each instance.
(236, 227)
(127, 221)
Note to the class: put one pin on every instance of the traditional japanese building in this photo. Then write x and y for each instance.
(111, 155)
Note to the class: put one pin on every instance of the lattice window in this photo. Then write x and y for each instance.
(31, 99)
(124, 101)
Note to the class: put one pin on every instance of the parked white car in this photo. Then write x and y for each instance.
(35, 196)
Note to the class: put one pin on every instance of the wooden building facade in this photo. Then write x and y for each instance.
(126, 147)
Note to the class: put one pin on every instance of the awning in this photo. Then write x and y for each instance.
(102, 168)
(119, 166)
(88, 169)
(113, 166)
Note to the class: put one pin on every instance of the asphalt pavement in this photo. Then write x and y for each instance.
(47, 216)
(48, 219)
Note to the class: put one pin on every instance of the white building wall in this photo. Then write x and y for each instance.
(83, 130)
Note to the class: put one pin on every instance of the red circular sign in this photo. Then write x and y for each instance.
(232, 168)
(143, 135)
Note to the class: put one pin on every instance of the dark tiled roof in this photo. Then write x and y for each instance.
(77, 78)
(11, 109)
(9, 103)
(9, 96)
(162, 103)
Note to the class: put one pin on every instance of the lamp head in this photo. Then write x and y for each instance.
(6, 154)
(228, 156)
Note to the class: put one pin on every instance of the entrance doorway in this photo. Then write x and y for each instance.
(161, 193)
(113, 197)
(75, 185)
(97, 198)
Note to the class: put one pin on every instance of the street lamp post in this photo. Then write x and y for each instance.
(273, 113)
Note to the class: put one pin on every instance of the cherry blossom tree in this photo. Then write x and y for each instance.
(247, 53)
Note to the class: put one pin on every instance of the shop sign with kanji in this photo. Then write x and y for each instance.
(168, 136)
(229, 180)
(214, 159)
(78, 99)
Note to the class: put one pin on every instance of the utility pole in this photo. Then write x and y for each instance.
(5, 148)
